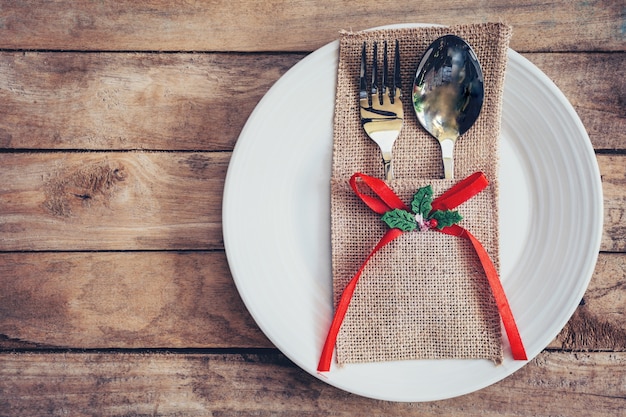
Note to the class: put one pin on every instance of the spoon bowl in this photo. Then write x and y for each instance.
(448, 93)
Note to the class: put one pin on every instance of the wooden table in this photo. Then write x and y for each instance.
(117, 122)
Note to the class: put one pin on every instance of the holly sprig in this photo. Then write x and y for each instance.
(422, 216)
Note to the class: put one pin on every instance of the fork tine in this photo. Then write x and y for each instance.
(374, 89)
(397, 84)
(363, 75)
(385, 69)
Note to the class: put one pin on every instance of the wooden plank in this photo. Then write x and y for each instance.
(240, 25)
(131, 101)
(157, 200)
(104, 101)
(180, 300)
(563, 384)
(111, 201)
(122, 300)
(613, 173)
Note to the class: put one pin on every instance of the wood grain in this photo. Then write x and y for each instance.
(266, 384)
(105, 101)
(131, 101)
(271, 25)
(613, 173)
(156, 200)
(111, 201)
(182, 300)
(122, 300)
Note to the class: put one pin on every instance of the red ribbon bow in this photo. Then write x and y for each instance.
(385, 200)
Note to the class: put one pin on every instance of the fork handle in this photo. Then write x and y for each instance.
(387, 166)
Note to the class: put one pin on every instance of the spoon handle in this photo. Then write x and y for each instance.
(447, 154)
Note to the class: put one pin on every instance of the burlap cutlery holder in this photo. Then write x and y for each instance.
(424, 295)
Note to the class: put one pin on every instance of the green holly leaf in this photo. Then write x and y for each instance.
(446, 218)
(400, 219)
(422, 201)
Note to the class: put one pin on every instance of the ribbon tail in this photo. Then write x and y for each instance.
(510, 327)
(344, 303)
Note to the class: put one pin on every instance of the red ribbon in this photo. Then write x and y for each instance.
(384, 200)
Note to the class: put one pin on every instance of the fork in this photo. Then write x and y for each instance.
(382, 114)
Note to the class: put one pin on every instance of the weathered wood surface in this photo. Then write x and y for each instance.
(122, 300)
(107, 101)
(111, 201)
(613, 174)
(188, 300)
(117, 122)
(131, 101)
(240, 25)
(266, 384)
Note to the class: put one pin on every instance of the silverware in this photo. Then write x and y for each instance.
(381, 108)
(448, 93)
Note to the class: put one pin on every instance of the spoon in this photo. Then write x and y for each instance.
(448, 93)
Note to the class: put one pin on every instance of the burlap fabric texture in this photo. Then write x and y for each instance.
(425, 295)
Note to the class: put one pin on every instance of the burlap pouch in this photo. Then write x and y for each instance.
(424, 295)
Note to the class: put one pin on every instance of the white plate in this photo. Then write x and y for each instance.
(276, 220)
